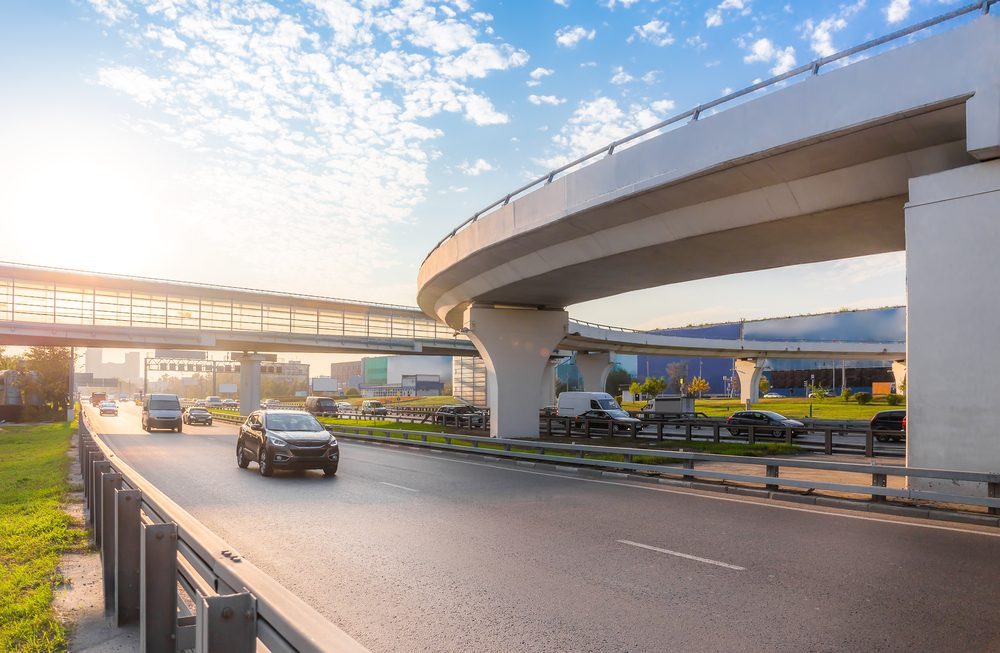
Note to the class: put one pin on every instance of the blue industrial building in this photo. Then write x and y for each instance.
(784, 375)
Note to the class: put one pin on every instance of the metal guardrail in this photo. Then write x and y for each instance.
(812, 68)
(577, 455)
(149, 545)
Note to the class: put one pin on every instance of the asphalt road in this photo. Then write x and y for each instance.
(411, 551)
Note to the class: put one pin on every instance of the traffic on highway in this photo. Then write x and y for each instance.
(410, 550)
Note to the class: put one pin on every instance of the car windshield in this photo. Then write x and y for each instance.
(608, 404)
(292, 422)
(107, 404)
(374, 404)
(326, 403)
(774, 416)
(464, 410)
(197, 411)
(164, 404)
(619, 413)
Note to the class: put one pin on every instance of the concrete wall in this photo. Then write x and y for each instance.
(952, 243)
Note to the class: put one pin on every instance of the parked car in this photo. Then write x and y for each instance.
(321, 406)
(373, 407)
(764, 421)
(460, 415)
(286, 439)
(774, 395)
(344, 405)
(889, 425)
(269, 403)
(197, 415)
(108, 408)
(620, 419)
(161, 411)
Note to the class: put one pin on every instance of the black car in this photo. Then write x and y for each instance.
(621, 420)
(197, 415)
(460, 415)
(321, 406)
(286, 439)
(889, 425)
(765, 422)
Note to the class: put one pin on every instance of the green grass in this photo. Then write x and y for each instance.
(384, 424)
(34, 532)
(794, 407)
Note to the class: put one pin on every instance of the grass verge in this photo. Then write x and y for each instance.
(794, 407)
(34, 532)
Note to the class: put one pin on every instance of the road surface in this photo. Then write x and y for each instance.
(415, 551)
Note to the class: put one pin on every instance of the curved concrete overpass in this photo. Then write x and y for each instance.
(815, 171)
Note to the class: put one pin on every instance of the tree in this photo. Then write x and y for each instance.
(764, 385)
(819, 391)
(653, 386)
(636, 389)
(698, 386)
(353, 392)
(44, 377)
(617, 377)
(676, 372)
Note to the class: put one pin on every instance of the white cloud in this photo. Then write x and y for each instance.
(481, 59)
(476, 168)
(897, 11)
(112, 10)
(595, 123)
(696, 42)
(546, 99)
(650, 77)
(562, 3)
(620, 76)
(820, 34)
(568, 37)
(538, 73)
(655, 32)
(610, 4)
(715, 16)
(763, 50)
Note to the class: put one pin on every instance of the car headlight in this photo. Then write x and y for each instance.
(333, 440)
(278, 442)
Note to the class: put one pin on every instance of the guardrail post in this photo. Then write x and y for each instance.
(97, 467)
(716, 432)
(158, 588)
(586, 427)
(771, 471)
(869, 445)
(688, 464)
(548, 426)
(634, 428)
(110, 483)
(127, 556)
(687, 431)
(993, 492)
(659, 430)
(828, 441)
(226, 624)
(878, 480)
(751, 435)
(789, 436)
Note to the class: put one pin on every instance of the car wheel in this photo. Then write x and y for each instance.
(881, 438)
(264, 463)
(180, 429)
(209, 422)
(330, 470)
(733, 432)
(241, 455)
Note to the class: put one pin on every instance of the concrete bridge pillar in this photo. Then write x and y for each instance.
(249, 382)
(594, 368)
(749, 370)
(899, 376)
(515, 345)
(952, 312)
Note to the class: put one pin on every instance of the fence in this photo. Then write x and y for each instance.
(618, 458)
(183, 585)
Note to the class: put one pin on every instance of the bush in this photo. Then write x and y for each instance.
(847, 393)
(353, 392)
(894, 399)
(863, 397)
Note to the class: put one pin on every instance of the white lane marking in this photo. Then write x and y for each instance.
(401, 487)
(693, 493)
(687, 556)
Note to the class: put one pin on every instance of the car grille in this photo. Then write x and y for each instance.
(309, 443)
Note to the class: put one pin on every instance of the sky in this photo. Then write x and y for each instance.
(325, 146)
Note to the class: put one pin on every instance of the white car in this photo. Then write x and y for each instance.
(774, 395)
(343, 405)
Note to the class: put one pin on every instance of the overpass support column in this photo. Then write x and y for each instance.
(749, 370)
(953, 307)
(249, 382)
(516, 345)
(594, 368)
(899, 376)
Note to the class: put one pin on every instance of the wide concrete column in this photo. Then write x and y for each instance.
(953, 307)
(899, 376)
(547, 397)
(515, 345)
(749, 370)
(594, 368)
(249, 381)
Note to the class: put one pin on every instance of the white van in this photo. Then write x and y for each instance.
(161, 412)
(574, 404)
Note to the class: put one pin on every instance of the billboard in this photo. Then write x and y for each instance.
(227, 388)
(179, 353)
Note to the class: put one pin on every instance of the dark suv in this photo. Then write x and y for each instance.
(321, 406)
(460, 415)
(889, 425)
(286, 439)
